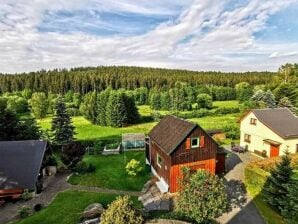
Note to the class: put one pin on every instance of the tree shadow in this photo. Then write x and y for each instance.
(232, 160)
(236, 192)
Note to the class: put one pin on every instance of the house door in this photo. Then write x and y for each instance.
(274, 151)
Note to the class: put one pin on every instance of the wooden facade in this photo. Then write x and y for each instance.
(183, 155)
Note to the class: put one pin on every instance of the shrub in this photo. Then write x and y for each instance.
(37, 207)
(73, 112)
(202, 197)
(226, 110)
(83, 167)
(255, 178)
(204, 101)
(121, 211)
(72, 154)
(232, 131)
(24, 211)
(133, 167)
(26, 195)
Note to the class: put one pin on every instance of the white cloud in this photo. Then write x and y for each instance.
(217, 39)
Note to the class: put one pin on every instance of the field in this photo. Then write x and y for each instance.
(87, 131)
(110, 172)
(67, 206)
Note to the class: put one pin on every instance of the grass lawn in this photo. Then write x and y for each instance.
(215, 122)
(227, 104)
(269, 215)
(110, 172)
(87, 131)
(67, 206)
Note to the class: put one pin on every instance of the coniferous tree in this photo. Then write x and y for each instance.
(290, 208)
(276, 187)
(102, 101)
(116, 112)
(62, 128)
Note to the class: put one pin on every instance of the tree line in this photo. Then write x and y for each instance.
(83, 80)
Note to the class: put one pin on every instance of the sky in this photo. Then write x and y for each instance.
(213, 35)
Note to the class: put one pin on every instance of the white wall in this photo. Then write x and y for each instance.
(260, 132)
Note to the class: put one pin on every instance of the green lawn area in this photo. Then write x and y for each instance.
(110, 172)
(214, 122)
(67, 206)
(87, 131)
(227, 104)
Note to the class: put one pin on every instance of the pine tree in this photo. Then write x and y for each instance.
(276, 187)
(290, 210)
(62, 127)
(116, 112)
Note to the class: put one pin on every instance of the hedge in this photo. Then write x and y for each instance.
(255, 178)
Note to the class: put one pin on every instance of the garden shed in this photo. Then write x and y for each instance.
(175, 143)
(132, 141)
(20, 166)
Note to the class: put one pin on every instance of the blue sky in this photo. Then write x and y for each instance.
(227, 35)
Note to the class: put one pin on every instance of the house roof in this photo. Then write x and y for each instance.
(281, 121)
(20, 163)
(170, 132)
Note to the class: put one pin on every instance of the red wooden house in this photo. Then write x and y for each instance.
(175, 143)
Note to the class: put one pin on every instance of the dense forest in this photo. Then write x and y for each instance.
(109, 96)
(83, 80)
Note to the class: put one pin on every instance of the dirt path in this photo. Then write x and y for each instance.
(242, 209)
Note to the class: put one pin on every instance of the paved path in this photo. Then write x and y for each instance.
(55, 185)
(242, 209)
(104, 190)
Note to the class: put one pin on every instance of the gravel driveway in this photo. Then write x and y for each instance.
(242, 209)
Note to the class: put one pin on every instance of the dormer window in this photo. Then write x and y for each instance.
(253, 121)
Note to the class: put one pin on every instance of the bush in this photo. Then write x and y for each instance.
(121, 211)
(24, 211)
(26, 195)
(72, 154)
(202, 196)
(204, 101)
(37, 207)
(73, 112)
(226, 110)
(255, 178)
(83, 167)
(232, 131)
(133, 167)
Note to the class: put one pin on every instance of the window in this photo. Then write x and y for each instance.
(159, 160)
(195, 143)
(247, 138)
(253, 121)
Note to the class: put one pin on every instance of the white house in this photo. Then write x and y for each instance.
(269, 132)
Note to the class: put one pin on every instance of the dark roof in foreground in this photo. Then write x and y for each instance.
(170, 132)
(281, 120)
(20, 162)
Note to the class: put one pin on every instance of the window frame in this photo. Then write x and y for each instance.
(253, 121)
(198, 142)
(159, 158)
(247, 138)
